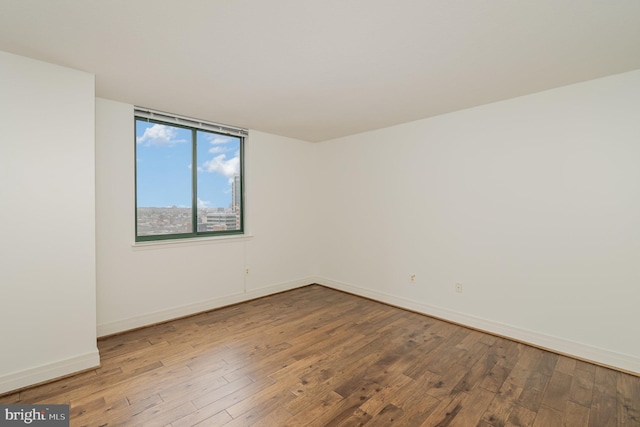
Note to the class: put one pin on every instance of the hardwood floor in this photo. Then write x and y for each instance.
(318, 357)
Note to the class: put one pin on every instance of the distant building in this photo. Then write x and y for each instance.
(236, 193)
(218, 221)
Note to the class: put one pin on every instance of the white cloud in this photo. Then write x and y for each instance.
(160, 135)
(223, 166)
(218, 149)
(218, 143)
(220, 139)
(203, 203)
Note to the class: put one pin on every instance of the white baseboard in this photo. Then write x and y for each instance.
(49, 371)
(189, 309)
(597, 355)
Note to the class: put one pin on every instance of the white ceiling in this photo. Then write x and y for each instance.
(320, 69)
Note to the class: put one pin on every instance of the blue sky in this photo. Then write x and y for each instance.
(163, 162)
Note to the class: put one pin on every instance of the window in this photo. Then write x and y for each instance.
(174, 198)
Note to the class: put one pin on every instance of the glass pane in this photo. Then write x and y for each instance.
(219, 192)
(163, 179)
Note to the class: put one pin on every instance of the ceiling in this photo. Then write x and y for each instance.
(320, 69)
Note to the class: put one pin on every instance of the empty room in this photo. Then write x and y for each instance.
(320, 213)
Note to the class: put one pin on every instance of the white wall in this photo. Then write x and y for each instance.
(138, 285)
(533, 204)
(47, 266)
(281, 211)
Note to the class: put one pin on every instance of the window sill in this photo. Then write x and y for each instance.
(196, 241)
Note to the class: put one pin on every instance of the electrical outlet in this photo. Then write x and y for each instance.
(459, 288)
(246, 271)
(412, 278)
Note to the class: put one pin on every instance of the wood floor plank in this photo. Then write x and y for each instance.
(387, 416)
(535, 386)
(316, 357)
(209, 405)
(582, 387)
(232, 393)
(604, 409)
(566, 365)
(346, 407)
(525, 365)
(547, 417)
(473, 407)
(317, 407)
(219, 419)
(556, 394)
(379, 401)
(628, 394)
(260, 406)
(503, 367)
(520, 417)
(500, 408)
(576, 415)
(445, 412)
(477, 372)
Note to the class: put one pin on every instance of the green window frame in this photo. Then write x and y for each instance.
(189, 177)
